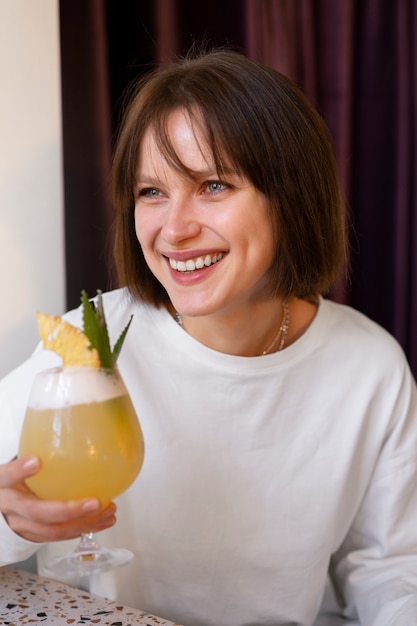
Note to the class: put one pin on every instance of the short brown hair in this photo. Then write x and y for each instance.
(257, 121)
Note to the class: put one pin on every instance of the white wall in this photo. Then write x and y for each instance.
(31, 184)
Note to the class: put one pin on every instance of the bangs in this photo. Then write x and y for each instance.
(212, 141)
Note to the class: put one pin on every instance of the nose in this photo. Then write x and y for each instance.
(181, 220)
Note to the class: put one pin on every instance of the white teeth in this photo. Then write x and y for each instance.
(190, 265)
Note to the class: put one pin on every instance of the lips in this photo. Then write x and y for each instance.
(198, 263)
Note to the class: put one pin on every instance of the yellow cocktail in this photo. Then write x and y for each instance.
(88, 449)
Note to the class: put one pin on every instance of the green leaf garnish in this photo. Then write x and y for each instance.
(95, 329)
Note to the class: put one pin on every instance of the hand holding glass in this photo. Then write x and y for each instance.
(82, 424)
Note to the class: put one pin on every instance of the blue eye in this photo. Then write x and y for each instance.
(215, 186)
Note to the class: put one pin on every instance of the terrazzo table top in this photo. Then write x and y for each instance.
(26, 598)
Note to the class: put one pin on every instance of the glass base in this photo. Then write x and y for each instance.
(83, 563)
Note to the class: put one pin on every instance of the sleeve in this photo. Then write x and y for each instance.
(14, 393)
(14, 548)
(375, 569)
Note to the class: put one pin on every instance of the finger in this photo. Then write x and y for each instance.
(17, 470)
(41, 532)
(26, 505)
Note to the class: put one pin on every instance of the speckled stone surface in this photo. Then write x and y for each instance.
(29, 599)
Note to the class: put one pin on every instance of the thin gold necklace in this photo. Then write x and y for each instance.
(281, 334)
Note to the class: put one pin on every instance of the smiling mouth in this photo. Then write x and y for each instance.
(190, 265)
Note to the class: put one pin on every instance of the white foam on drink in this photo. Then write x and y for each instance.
(57, 388)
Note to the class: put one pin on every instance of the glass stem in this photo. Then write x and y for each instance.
(88, 548)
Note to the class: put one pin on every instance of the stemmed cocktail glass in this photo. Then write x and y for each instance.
(81, 423)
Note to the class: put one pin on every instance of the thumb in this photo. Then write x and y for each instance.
(17, 470)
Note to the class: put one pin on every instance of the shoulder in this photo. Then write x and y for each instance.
(358, 338)
(117, 303)
(347, 320)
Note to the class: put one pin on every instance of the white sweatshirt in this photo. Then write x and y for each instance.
(261, 475)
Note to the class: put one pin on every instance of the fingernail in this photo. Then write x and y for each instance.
(32, 463)
(91, 506)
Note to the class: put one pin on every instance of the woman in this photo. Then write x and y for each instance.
(280, 427)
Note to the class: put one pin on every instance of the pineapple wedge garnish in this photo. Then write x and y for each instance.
(89, 347)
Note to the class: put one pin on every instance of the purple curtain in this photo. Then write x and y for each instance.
(357, 61)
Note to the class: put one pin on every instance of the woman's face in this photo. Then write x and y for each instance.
(207, 239)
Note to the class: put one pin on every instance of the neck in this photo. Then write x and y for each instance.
(262, 330)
